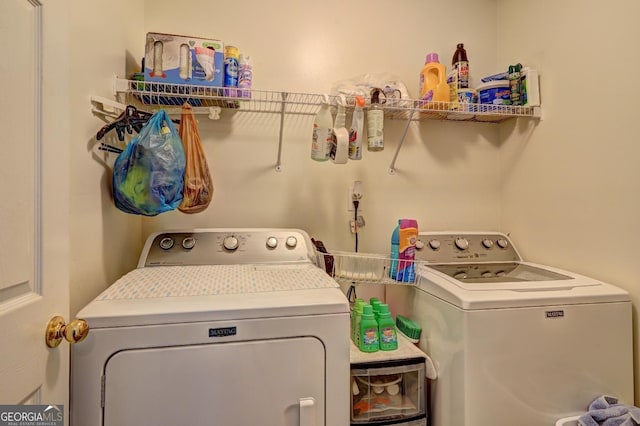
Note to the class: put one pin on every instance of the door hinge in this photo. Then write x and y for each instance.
(102, 385)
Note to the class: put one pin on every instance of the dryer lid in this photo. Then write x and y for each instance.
(169, 294)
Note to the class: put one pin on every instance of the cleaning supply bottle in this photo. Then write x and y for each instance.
(231, 70)
(357, 128)
(356, 317)
(459, 76)
(375, 123)
(515, 84)
(245, 76)
(387, 329)
(395, 252)
(339, 152)
(322, 133)
(408, 233)
(368, 331)
(433, 80)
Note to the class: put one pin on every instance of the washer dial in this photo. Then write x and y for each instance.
(502, 243)
(188, 243)
(272, 242)
(462, 243)
(166, 243)
(487, 243)
(434, 244)
(230, 243)
(291, 242)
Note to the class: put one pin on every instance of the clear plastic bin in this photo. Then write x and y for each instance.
(394, 393)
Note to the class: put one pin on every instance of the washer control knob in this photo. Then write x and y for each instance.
(166, 243)
(461, 275)
(487, 243)
(462, 243)
(272, 242)
(230, 243)
(434, 244)
(188, 243)
(291, 242)
(502, 243)
(501, 274)
(419, 244)
(487, 274)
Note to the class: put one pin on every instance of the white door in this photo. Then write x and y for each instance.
(34, 206)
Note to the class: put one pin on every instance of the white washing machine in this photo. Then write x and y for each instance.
(514, 343)
(216, 326)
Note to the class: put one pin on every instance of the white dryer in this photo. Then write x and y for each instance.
(513, 342)
(216, 326)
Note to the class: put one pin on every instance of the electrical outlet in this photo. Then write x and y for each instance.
(355, 193)
(350, 207)
(352, 224)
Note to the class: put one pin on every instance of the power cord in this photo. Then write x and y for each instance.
(356, 203)
(351, 293)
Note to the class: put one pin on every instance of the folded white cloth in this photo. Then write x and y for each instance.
(605, 411)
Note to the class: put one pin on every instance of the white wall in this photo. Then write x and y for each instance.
(105, 243)
(570, 187)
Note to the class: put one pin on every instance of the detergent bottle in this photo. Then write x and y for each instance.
(433, 80)
(387, 329)
(369, 341)
(395, 252)
(356, 317)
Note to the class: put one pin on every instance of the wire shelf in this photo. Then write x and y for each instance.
(370, 268)
(170, 94)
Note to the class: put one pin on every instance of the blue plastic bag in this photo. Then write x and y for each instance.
(148, 176)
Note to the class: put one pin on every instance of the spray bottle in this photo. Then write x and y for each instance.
(375, 123)
(245, 76)
(339, 152)
(357, 127)
(322, 132)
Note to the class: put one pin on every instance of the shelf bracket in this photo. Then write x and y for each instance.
(392, 166)
(282, 109)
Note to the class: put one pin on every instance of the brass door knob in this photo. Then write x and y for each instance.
(74, 332)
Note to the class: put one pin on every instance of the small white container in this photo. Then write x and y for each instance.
(494, 93)
(530, 87)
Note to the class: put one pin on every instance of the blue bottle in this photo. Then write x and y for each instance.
(395, 252)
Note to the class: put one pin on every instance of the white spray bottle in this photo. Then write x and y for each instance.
(340, 146)
(322, 132)
(357, 128)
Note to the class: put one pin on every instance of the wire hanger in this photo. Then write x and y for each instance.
(131, 119)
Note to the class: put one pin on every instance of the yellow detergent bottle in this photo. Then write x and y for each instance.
(433, 81)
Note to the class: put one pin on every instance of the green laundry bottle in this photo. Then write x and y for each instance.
(387, 329)
(356, 316)
(375, 305)
(369, 340)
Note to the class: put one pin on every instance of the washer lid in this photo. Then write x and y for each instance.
(171, 294)
(474, 276)
(513, 284)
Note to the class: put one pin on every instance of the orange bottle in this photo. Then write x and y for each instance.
(433, 80)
